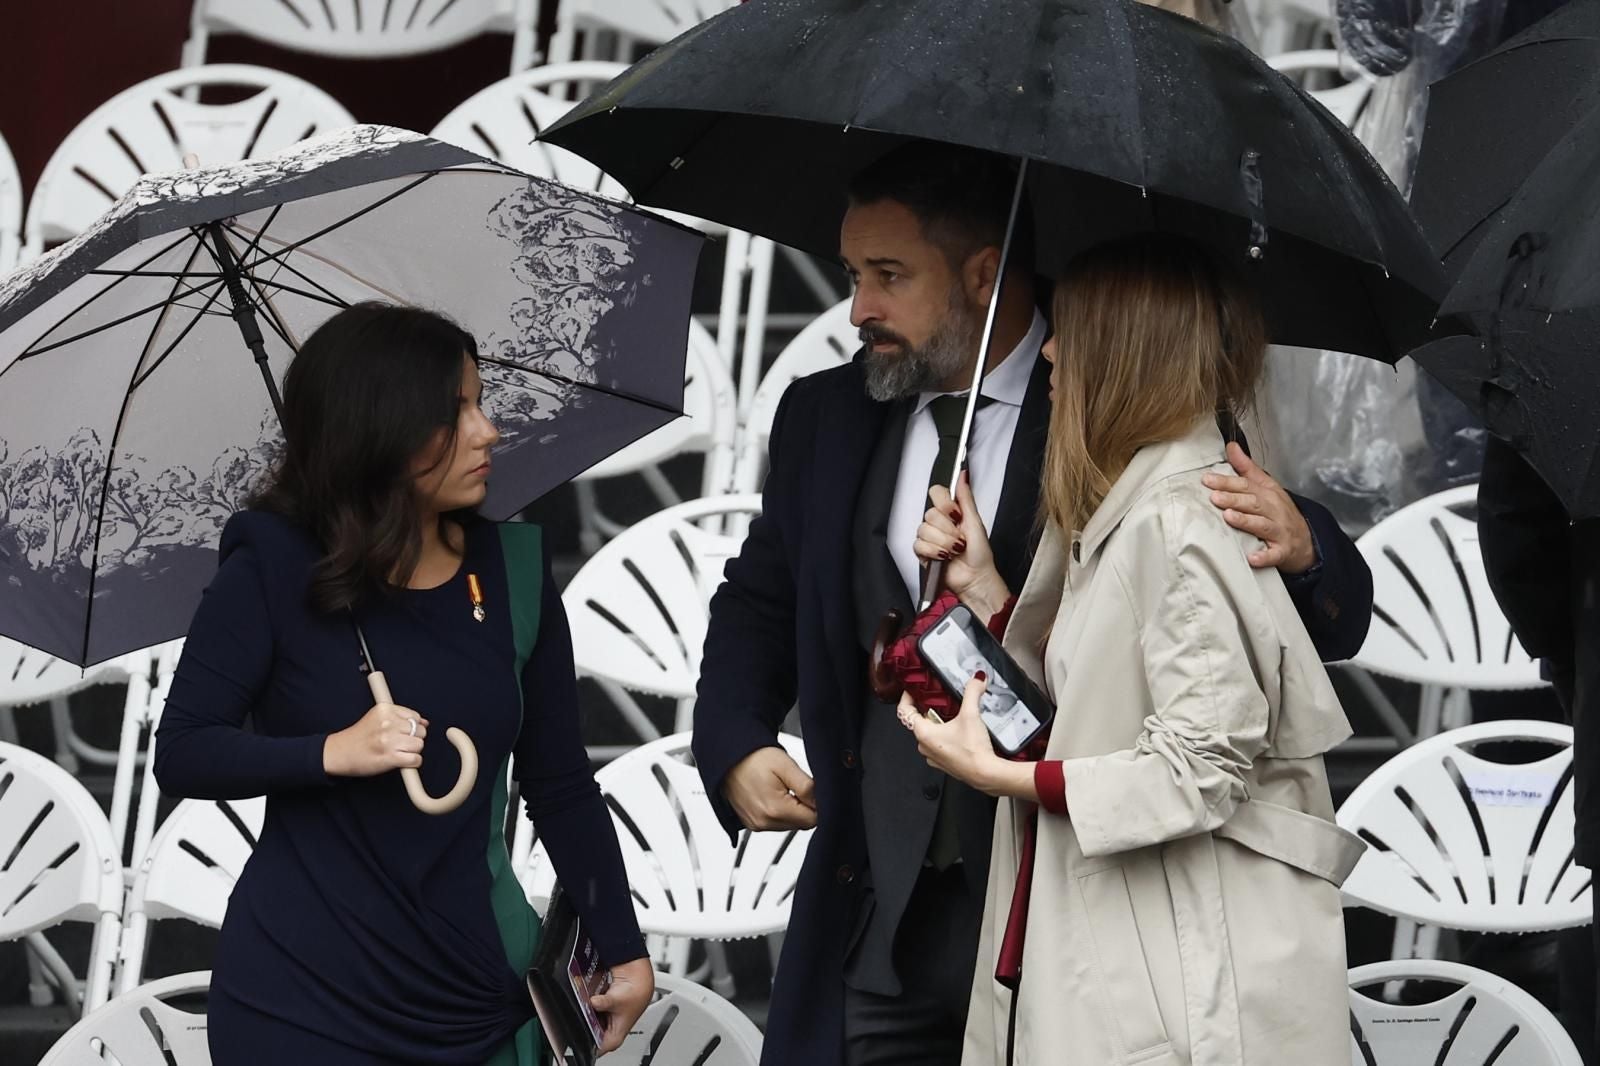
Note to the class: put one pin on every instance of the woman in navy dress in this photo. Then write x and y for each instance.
(362, 930)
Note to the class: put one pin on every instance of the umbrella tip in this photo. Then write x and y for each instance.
(191, 161)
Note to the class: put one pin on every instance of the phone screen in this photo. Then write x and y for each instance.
(952, 652)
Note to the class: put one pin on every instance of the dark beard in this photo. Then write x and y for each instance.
(913, 369)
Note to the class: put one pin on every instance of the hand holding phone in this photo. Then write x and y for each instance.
(1012, 708)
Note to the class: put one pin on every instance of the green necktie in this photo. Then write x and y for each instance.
(947, 411)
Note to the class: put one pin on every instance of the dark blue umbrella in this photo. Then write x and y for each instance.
(138, 362)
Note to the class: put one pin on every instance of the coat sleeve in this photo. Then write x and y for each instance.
(748, 669)
(1194, 595)
(1527, 554)
(202, 749)
(559, 790)
(1335, 599)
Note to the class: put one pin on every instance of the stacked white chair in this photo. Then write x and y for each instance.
(689, 1024)
(365, 29)
(616, 29)
(1435, 621)
(684, 1023)
(141, 1027)
(152, 126)
(1482, 1019)
(688, 881)
(829, 341)
(62, 867)
(10, 210)
(1345, 98)
(638, 609)
(1293, 25)
(1459, 841)
(188, 872)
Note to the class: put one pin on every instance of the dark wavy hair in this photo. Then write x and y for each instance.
(367, 392)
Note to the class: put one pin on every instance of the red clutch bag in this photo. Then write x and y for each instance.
(897, 665)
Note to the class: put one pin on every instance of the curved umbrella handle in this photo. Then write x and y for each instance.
(413, 780)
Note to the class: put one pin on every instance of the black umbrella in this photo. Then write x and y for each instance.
(1524, 248)
(138, 363)
(1132, 119)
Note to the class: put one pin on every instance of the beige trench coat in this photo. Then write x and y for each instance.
(1186, 908)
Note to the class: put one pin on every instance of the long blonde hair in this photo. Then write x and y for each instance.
(1151, 334)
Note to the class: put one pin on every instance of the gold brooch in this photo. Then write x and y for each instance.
(475, 591)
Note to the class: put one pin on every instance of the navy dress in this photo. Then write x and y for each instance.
(362, 930)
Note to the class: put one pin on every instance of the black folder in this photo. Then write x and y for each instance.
(566, 971)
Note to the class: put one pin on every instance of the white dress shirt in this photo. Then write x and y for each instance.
(987, 453)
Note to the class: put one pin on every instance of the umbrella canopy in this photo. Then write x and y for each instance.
(1512, 197)
(134, 420)
(1133, 119)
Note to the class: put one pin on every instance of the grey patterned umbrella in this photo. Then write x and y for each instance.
(135, 417)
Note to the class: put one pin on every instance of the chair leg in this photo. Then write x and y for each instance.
(721, 975)
(1457, 708)
(630, 710)
(589, 538)
(1430, 711)
(61, 722)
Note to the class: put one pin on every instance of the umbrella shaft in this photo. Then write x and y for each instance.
(244, 312)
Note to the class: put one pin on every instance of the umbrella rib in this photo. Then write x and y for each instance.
(254, 244)
(193, 322)
(152, 273)
(604, 390)
(101, 292)
(328, 295)
(32, 352)
(296, 245)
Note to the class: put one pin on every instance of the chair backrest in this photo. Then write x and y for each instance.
(188, 871)
(10, 210)
(687, 880)
(195, 859)
(632, 22)
(1459, 840)
(827, 341)
(63, 865)
(29, 676)
(1434, 619)
(638, 607)
(709, 423)
(1484, 1018)
(689, 1023)
(1344, 101)
(361, 29)
(503, 120)
(140, 1028)
(150, 127)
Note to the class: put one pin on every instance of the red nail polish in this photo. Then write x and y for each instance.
(961, 546)
(945, 556)
(980, 676)
(955, 516)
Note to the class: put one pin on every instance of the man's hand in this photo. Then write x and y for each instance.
(768, 790)
(1257, 504)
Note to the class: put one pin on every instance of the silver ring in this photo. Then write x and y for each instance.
(413, 728)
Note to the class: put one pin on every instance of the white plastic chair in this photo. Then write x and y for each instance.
(829, 341)
(1286, 25)
(1345, 100)
(614, 29)
(140, 1028)
(150, 127)
(1460, 842)
(365, 29)
(638, 608)
(687, 1023)
(687, 881)
(1435, 621)
(10, 210)
(189, 872)
(1484, 1019)
(62, 867)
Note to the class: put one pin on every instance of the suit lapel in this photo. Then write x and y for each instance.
(1015, 534)
(841, 453)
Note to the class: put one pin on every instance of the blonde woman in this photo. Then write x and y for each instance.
(1163, 886)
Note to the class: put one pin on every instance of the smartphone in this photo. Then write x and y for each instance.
(1012, 708)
